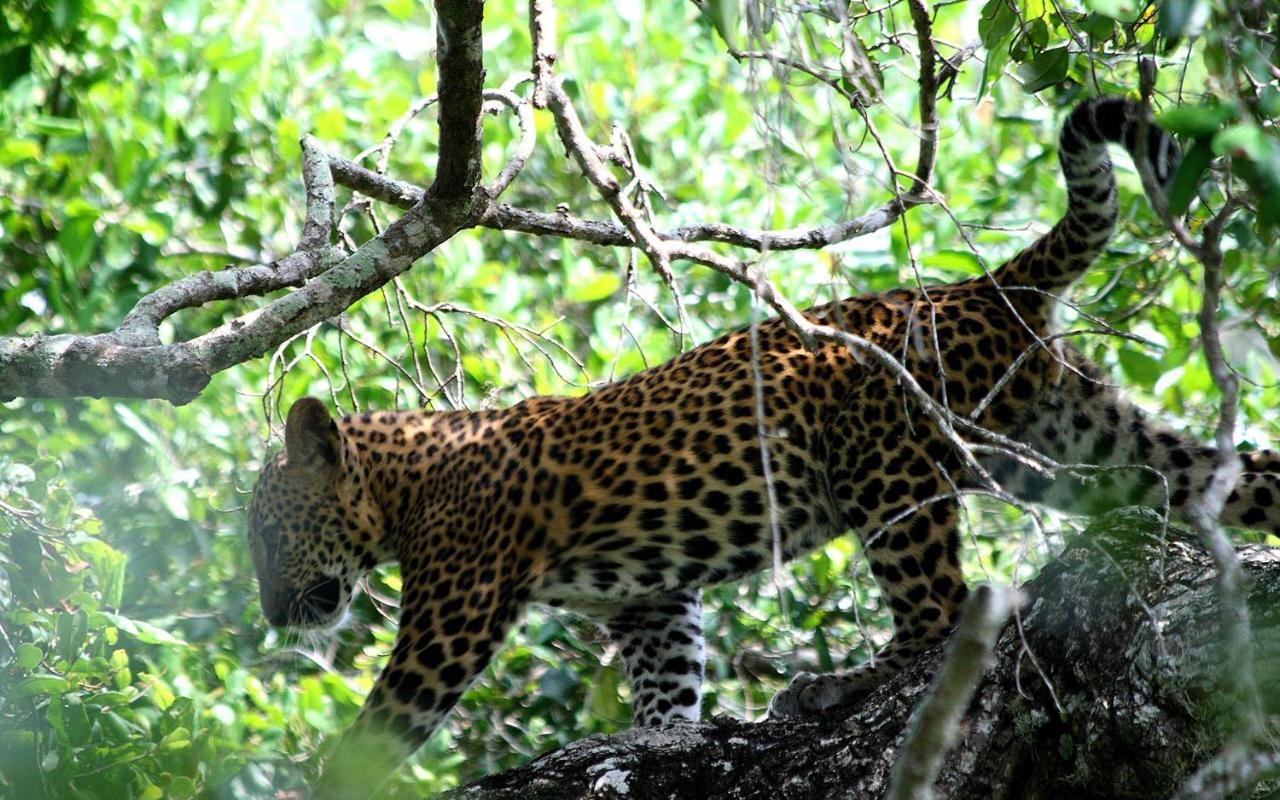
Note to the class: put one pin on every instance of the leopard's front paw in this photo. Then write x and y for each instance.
(811, 694)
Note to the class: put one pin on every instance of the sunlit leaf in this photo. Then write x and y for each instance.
(1124, 10)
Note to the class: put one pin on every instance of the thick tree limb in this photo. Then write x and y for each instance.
(460, 55)
(1124, 625)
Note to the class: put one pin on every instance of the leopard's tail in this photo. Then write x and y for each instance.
(1059, 257)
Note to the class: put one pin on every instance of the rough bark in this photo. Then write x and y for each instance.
(1125, 628)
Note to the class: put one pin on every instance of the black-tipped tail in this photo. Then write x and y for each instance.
(1057, 259)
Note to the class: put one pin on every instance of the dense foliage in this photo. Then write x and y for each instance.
(141, 141)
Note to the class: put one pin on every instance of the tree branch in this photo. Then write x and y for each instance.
(1205, 510)
(542, 22)
(460, 54)
(131, 362)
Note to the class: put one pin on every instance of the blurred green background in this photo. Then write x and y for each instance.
(141, 141)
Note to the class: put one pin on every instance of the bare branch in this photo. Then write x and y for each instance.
(928, 82)
(588, 157)
(1205, 510)
(524, 146)
(369, 183)
(542, 24)
(313, 256)
(383, 148)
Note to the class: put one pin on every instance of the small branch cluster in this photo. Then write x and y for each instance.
(131, 361)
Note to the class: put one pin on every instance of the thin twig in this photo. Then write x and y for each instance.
(935, 726)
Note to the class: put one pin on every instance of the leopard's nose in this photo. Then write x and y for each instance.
(274, 608)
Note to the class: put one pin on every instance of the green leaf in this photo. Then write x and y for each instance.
(109, 566)
(57, 126)
(996, 23)
(144, 632)
(1241, 140)
(1196, 120)
(177, 739)
(331, 123)
(723, 16)
(993, 68)
(1177, 18)
(603, 698)
(55, 715)
(14, 151)
(402, 10)
(1123, 10)
(71, 630)
(78, 240)
(1140, 367)
(181, 788)
(40, 684)
(1049, 68)
(218, 108)
(962, 261)
(1187, 178)
(28, 656)
(823, 650)
(1098, 26)
(151, 792)
(598, 287)
(14, 64)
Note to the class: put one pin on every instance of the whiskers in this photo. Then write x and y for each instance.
(315, 636)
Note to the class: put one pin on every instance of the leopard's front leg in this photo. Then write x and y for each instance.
(441, 647)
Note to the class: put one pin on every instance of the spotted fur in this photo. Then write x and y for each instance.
(622, 503)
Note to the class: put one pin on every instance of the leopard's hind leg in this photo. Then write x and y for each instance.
(908, 522)
(660, 642)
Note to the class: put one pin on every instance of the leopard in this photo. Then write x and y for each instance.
(623, 503)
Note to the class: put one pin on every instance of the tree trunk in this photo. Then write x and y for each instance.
(1122, 629)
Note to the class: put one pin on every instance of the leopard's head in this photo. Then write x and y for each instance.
(314, 526)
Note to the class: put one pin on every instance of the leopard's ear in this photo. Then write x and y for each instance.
(311, 440)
